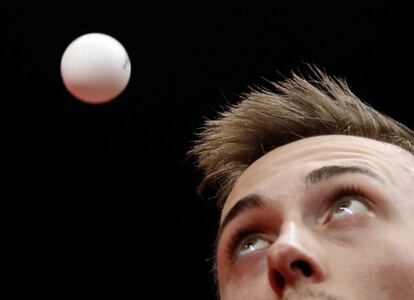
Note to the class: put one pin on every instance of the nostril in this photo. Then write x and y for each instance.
(302, 266)
(280, 280)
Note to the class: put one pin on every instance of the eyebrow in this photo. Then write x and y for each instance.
(253, 201)
(247, 203)
(327, 172)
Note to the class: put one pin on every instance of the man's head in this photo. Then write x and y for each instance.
(316, 190)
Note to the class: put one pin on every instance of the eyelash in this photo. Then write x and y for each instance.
(346, 190)
(236, 238)
(337, 194)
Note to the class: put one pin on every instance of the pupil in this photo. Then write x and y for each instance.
(344, 205)
(249, 245)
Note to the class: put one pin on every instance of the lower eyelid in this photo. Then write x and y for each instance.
(259, 238)
(329, 219)
(357, 219)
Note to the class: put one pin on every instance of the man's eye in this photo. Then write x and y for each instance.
(252, 244)
(346, 207)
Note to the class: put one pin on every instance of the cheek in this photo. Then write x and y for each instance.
(257, 288)
(387, 272)
(246, 279)
(396, 272)
(396, 280)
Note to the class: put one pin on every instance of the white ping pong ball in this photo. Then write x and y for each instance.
(95, 68)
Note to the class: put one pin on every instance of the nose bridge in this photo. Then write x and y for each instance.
(294, 242)
(293, 258)
(291, 234)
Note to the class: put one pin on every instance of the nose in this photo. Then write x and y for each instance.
(293, 260)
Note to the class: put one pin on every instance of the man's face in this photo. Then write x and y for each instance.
(328, 217)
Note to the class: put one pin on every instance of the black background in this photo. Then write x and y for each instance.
(103, 197)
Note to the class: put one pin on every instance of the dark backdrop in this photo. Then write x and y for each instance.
(103, 198)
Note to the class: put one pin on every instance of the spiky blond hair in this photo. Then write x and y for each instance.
(298, 108)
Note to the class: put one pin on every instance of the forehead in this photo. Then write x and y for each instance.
(298, 158)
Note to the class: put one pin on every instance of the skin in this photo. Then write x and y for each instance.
(302, 239)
